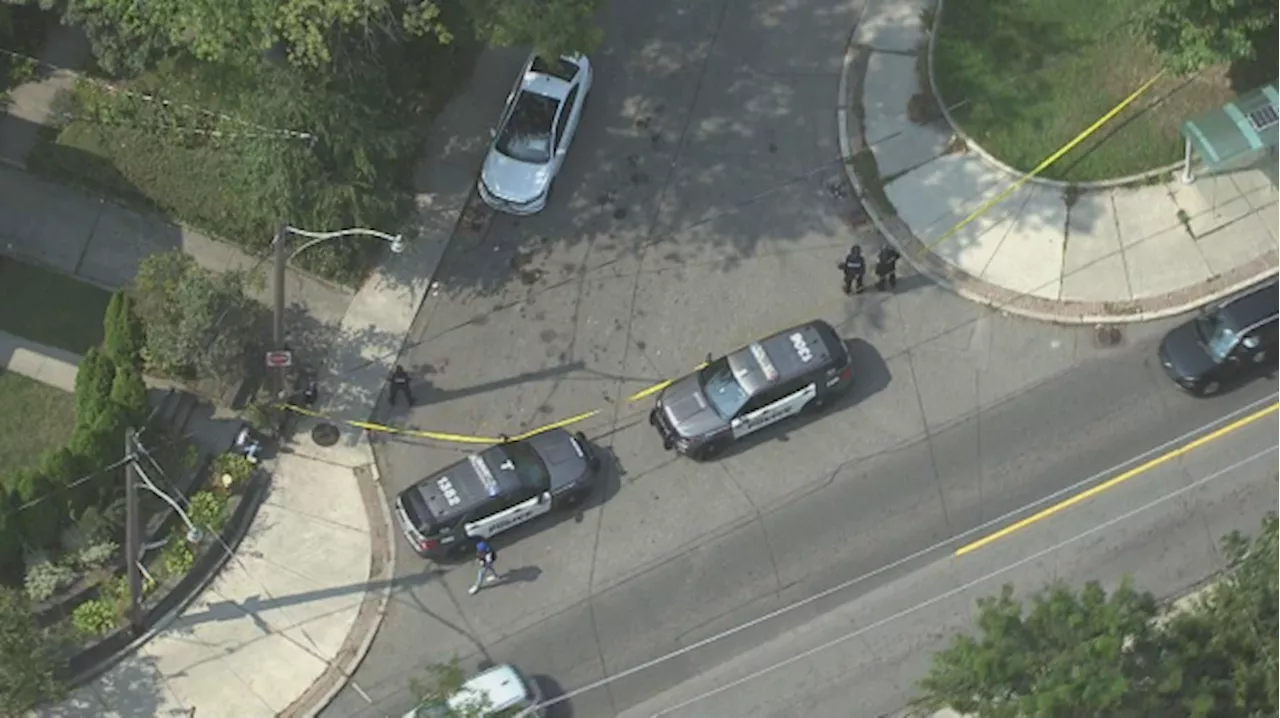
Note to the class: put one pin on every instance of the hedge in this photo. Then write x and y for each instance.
(37, 502)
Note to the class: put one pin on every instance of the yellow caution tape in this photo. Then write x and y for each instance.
(465, 438)
(1045, 164)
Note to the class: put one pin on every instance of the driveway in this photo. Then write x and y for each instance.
(699, 209)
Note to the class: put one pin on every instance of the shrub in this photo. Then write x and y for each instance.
(95, 617)
(93, 386)
(98, 555)
(178, 557)
(129, 394)
(208, 510)
(62, 467)
(41, 510)
(45, 579)
(196, 323)
(237, 466)
(122, 334)
(10, 542)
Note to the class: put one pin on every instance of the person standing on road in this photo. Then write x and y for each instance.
(400, 385)
(487, 557)
(887, 268)
(854, 267)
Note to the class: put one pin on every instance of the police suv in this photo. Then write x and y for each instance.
(761, 384)
(495, 490)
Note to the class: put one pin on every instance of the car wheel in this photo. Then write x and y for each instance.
(1209, 388)
(709, 451)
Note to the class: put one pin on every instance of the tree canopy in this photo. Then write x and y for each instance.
(1194, 34)
(30, 658)
(1110, 656)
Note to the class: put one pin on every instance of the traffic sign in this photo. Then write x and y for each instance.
(279, 359)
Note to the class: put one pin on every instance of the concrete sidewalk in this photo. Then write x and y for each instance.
(1153, 248)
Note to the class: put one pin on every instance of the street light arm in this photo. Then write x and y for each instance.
(396, 240)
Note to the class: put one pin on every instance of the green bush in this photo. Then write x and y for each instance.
(208, 510)
(122, 334)
(96, 617)
(10, 541)
(62, 467)
(129, 393)
(232, 464)
(93, 385)
(42, 511)
(98, 555)
(44, 579)
(178, 557)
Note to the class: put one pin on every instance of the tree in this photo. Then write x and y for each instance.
(1194, 34)
(552, 27)
(1069, 655)
(10, 538)
(129, 394)
(122, 335)
(93, 385)
(31, 663)
(197, 323)
(41, 509)
(131, 34)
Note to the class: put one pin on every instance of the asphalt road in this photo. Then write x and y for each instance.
(1163, 529)
(700, 208)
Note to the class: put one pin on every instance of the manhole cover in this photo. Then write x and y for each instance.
(325, 434)
(1107, 335)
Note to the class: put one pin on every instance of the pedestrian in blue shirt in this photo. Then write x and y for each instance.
(486, 556)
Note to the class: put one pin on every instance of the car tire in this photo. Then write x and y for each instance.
(1209, 388)
(709, 452)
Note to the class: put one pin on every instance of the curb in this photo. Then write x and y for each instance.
(977, 149)
(373, 607)
(960, 282)
(233, 534)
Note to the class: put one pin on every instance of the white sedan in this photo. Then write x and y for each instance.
(533, 136)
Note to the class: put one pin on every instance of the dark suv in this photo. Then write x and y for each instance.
(1225, 343)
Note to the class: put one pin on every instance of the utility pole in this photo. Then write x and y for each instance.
(132, 533)
(277, 328)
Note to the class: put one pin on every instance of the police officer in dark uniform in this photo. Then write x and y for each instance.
(854, 267)
(400, 384)
(887, 268)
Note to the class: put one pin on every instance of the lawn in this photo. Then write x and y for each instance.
(50, 308)
(33, 419)
(1033, 74)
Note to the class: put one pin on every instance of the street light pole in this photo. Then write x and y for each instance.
(132, 533)
(277, 327)
(282, 259)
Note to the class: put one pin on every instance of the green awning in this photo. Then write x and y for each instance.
(1247, 124)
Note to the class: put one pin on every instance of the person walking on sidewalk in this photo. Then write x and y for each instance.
(887, 268)
(854, 267)
(486, 556)
(400, 385)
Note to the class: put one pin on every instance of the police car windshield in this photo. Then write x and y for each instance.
(722, 389)
(528, 466)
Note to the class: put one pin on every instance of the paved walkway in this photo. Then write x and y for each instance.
(1109, 254)
(294, 611)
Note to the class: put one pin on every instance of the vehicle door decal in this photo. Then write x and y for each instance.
(789, 405)
(514, 516)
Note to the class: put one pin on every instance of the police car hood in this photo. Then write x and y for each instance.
(687, 410)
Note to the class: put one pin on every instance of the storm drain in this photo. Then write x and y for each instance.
(1107, 335)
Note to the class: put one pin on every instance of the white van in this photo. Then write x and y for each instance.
(501, 690)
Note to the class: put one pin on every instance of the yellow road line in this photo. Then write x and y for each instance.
(1043, 165)
(1116, 481)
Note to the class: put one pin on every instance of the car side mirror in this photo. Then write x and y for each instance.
(493, 133)
(709, 357)
(542, 497)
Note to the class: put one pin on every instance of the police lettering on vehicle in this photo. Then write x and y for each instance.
(514, 516)
(789, 405)
(802, 349)
(486, 476)
(446, 489)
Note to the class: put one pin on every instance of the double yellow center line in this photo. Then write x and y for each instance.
(1120, 479)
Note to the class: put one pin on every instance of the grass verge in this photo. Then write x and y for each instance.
(34, 418)
(49, 307)
(1036, 73)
